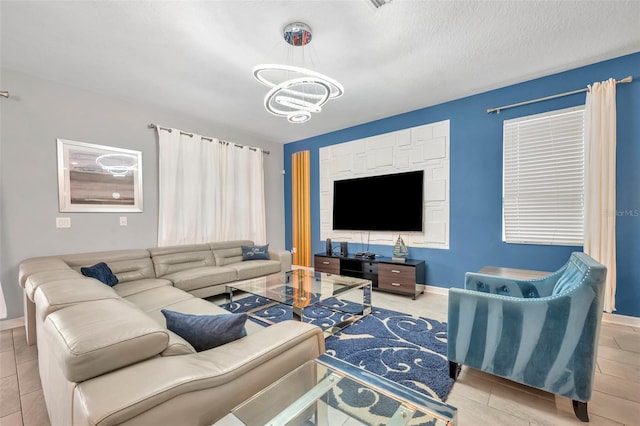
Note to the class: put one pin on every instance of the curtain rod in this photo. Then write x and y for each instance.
(155, 126)
(497, 110)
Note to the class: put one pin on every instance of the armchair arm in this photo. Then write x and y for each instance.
(539, 287)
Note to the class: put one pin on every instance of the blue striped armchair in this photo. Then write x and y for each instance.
(542, 333)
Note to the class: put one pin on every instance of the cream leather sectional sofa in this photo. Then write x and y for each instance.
(106, 357)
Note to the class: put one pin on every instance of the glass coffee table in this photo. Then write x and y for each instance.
(302, 288)
(328, 391)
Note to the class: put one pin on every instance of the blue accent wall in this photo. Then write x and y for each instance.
(476, 178)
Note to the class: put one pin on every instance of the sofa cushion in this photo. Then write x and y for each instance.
(255, 268)
(133, 269)
(255, 252)
(93, 338)
(101, 272)
(129, 288)
(206, 331)
(158, 298)
(193, 306)
(54, 295)
(168, 260)
(37, 279)
(222, 245)
(34, 265)
(228, 256)
(127, 265)
(207, 276)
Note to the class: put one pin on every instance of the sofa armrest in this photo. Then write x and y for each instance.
(284, 256)
(209, 383)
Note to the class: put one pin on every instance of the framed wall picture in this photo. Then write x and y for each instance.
(98, 178)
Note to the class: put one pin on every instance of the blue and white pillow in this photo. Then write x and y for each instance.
(255, 252)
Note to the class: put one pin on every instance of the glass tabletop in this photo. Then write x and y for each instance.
(328, 391)
(300, 287)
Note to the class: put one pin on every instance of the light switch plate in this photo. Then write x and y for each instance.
(123, 221)
(63, 222)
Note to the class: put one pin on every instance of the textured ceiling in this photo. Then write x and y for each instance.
(197, 57)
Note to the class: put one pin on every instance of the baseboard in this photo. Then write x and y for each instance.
(620, 319)
(436, 290)
(11, 323)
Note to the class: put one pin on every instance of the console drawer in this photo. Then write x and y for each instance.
(398, 278)
(330, 265)
(406, 288)
(396, 273)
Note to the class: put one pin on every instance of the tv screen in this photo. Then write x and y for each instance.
(379, 203)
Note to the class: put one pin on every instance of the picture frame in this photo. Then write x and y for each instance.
(98, 178)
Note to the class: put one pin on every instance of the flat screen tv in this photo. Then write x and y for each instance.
(392, 202)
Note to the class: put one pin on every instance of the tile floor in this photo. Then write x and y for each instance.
(481, 399)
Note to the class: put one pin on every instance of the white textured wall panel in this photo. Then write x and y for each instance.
(436, 233)
(435, 190)
(384, 157)
(401, 160)
(419, 148)
(422, 133)
(435, 148)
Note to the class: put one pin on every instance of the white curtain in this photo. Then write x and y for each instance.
(208, 190)
(600, 182)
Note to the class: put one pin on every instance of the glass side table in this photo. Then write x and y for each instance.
(328, 391)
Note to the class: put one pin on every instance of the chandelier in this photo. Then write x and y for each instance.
(296, 92)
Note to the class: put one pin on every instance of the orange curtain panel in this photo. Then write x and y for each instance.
(301, 211)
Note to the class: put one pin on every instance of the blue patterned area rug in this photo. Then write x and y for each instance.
(400, 347)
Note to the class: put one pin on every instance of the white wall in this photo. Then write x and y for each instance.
(418, 148)
(37, 113)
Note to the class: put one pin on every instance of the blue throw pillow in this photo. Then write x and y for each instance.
(100, 271)
(255, 252)
(206, 331)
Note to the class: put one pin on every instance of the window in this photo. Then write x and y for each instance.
(543, 178)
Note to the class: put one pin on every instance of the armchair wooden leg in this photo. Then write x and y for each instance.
(453, 370)
(580, 408)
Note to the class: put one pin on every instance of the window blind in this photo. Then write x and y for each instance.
(543, 178)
